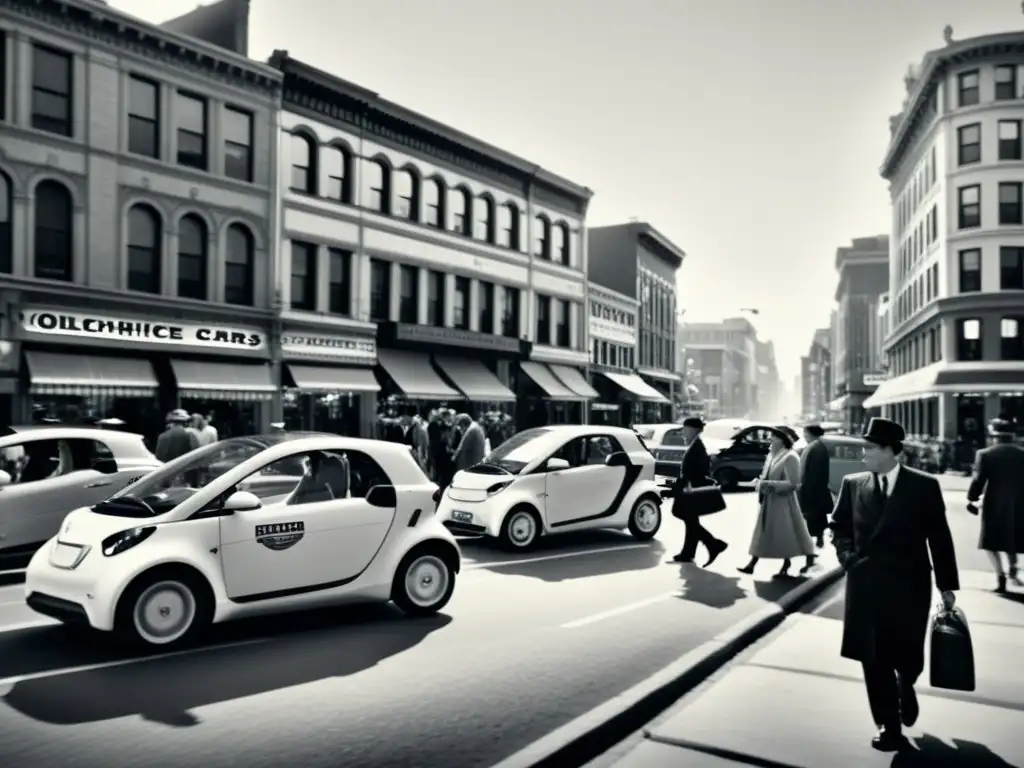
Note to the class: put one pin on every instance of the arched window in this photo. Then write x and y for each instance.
(303, 151)
(542, 238)
(376, 192)
(53, 232)
(193, 240)
(563, 252)
(6, 227)
(462, 211)
(509, 226)
(239, 267)
(143, 249)
(406, 187)
(483, 224)
(433, 203)
(557, 239)
(338, 166)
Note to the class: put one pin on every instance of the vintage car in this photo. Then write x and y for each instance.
(184, 547)
(668, 453)
(846, 456)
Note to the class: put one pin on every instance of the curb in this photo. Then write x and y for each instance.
(591, 734)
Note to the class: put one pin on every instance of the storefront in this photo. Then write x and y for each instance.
(552, 388)
(636, 400)
(328, 382)
(666, 384)
(76, 366)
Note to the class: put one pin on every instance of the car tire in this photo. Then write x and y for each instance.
(165, 608)
(520, 529)
(645, 518)
(727, 478)
(423, 583)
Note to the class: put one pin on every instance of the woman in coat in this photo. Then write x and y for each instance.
(781, 532)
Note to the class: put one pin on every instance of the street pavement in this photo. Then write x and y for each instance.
(792, 702)
(528, 643)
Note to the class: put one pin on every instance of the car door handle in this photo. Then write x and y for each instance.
(99, 484)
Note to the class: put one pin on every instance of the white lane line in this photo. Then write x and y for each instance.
(9, 681)
(562, 556)
(34, 624)
(610, 614)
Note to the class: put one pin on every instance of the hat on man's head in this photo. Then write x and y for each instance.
(884, 432)
(178, 416)
(693, 421)
(814, 429)
(1000, 427)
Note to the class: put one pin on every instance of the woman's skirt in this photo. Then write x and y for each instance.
(781, 531)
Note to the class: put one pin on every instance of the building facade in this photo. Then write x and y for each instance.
(136, 174)
(453, 270)
(636, 260)
(724, 367)
(816, 377)
(613, 342)
(954, 167)
(769, 386)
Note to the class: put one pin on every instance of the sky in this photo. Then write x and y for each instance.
(749, 132)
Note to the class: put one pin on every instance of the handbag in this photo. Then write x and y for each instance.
(697, 501)
(952, 653)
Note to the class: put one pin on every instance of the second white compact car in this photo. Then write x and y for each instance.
(556, 479)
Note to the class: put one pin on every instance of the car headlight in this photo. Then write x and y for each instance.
(125, 540)
(498, 487)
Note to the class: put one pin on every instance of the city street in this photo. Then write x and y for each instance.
(526, 644)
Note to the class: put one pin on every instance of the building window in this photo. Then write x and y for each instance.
(510, 312)
(406, 204)
(144, 233)
(1010, 203)
(968, 141)
(238, 138)
(486, 307)
(53, 231)
(338, 168)
(460, 306)
(3, 75)
(51, 91)
(193, 243)
(303, 151)
(484, 224)
(192, 125)
(1006, 82)
(562, 324)
(462, 211)
(380, 291)
(512, 227)
(565, 251)
(968, 339)
(1009, 140)
(1011, 268)
(967, 88)
(433, 203)
(376, 195)
(557, 241)
(408, 292)
(435, 299)
(143, 117)
(6, 228)
(239, 267)
(543, 320)
(339, 287)
(542, 238)
(1010, 342)
(969, 207)
(303, 283)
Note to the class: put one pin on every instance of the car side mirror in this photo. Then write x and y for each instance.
(241, 501)
(5, 478)
(617, 459)
(556, 465)
(382, 496)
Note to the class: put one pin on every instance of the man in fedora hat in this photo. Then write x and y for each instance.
(694, 472)
(177, 439)
(814, 496)
(999, 475)
(885, 523)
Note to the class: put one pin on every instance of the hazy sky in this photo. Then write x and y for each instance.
(750, 132)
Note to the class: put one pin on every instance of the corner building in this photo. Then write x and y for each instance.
(136, 170)
(613, 339)
(421, 265)
(957, 257)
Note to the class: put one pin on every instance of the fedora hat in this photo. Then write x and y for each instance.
(1000, 427)
(178, 416)
(694, 421)
(884, 432)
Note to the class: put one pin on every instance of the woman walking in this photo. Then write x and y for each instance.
(781, 532)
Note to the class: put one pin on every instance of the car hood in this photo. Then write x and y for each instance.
(85, 527)
(479, 481)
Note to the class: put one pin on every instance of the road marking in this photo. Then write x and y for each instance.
(562, 556)
(9, 681)
(34, 624)
(594, 618)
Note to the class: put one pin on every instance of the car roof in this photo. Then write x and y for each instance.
(849, 439)
(57, 431)
(578, 430)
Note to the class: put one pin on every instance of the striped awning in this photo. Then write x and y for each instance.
(574, 380)
(324, 379)
(51, 373)
(223, 381)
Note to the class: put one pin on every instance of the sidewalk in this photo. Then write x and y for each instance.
(793, 702)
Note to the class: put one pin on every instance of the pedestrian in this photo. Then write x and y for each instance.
(885, 523)
(470, 449)
(178, 439)
(999, 476)
(694, 472)
(780, 531)
(814, 495)
(205, 433)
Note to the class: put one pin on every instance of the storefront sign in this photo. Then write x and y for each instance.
(454, 337)
(322, 345)
(51, 322)
(874, 379)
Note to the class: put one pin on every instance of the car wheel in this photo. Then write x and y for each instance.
(423, 583)
(163, 610)
(520, 529)
(645, 519)
(727, 478)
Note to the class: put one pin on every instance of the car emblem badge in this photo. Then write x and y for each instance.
(280, 536)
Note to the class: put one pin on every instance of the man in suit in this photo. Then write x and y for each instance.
(177, 439)
(814, 496)
(470, 449)
(885, 523)
(999, 475)
(694, 472)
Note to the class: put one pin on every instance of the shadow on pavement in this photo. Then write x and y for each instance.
(1013, 597)
(606, 560)
(709, 588)
(776, 588)
(930, 752)
(167, 690)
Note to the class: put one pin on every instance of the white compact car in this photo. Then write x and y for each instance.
(187, 545)
(556, 479)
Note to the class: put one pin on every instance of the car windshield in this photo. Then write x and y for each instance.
(164, 489)
(513, 454)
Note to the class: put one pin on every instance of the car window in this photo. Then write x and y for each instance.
(756, 436)
(599, 448)
(644, 432)
(674, 437)
(573, 452)
(845, 451)
(92, 454)
(36, 460)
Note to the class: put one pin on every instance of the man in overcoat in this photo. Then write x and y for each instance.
(814, 496)
(884, 524)
(694, 472)
(999, 475)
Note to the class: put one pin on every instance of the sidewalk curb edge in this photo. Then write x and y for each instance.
(593, 733)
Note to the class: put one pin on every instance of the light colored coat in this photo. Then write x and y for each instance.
(781, 531)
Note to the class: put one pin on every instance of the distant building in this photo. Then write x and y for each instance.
(769, 387)
(725, 359)
(816, 377)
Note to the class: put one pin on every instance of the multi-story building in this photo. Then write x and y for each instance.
(136, 171)
(457, 267)
(863, 269)
(957, 259)
(769, 387)
(816, 376)
(636, 260)
(613, 340)
(725, 365)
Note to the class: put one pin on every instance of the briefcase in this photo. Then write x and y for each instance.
(695, 502)
(952, 653)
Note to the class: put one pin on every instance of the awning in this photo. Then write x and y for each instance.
(223, 381)
(55, 374)
(635, 386)
(474, 380)
(415, 376)
(322, 379)
(910, 386)
(980, 380)
(548, 383)
(838, 404)
(574, 380)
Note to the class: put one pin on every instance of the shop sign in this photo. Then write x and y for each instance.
(874, 379)
(51, 322)
(455, 337)
(322, 345)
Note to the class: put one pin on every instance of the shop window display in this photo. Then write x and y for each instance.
(335, 413)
